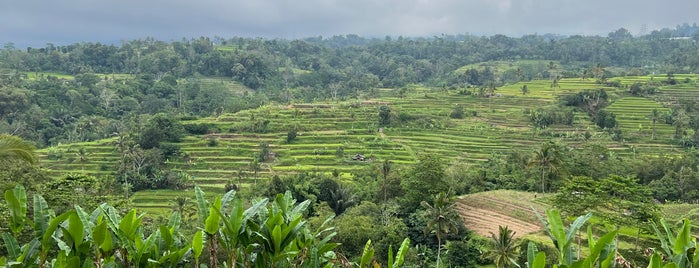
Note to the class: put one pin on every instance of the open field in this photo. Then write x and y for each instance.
(485, 212)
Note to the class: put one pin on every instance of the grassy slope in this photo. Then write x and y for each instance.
(501, 125)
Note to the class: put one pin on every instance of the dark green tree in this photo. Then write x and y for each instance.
(423, 181)
(291, 135)
(384, 116)
(457, 112)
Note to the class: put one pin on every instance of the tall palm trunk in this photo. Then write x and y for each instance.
(543, 181)
(439, 248)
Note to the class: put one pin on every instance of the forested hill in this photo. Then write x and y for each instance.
(63, 94)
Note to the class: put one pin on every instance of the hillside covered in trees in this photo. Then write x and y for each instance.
(375, 138)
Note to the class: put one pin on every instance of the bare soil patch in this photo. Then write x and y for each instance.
(485, 212)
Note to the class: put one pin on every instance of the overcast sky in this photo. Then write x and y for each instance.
(37, 22)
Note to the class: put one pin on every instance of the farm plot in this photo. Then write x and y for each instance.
(633, 115)
(485, 212)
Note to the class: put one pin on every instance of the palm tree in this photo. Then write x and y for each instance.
(680, 121)
(83, 157)
(13, 148)
(598, 71)
(654, 117)
(552, 68)
(255, 167)
(385, 171)
(504, 251)
(554, 84)
(341, 200)
(443, 218)
(184, 206)
(525, 90)
(548, 159)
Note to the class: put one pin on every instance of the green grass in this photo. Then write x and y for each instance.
(500, 124)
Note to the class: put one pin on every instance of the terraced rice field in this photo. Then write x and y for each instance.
(633, 116)
(491, 126)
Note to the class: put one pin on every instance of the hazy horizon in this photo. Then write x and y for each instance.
(37, 22)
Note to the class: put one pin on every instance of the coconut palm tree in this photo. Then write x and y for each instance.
(13, 148)
(443, 218)
(83, 157)
(385, 171)
(654, 116)
(504, 251)
(184, 206)
(548, 159)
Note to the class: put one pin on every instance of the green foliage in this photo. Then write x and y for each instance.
(680, 248)
(549, 161)
(442, 217)
(605, 120)
(291, 135)
(590, 101)
(13, 148)
(639, 89)
(457, 112)
(563, 237)
(264, 235)
(504, 251)
(17, 204)
(602, 251)
(368, 261)
(212, 142)
(543, 118)
(160, 128)
(197, 129)
(384, 116)
(465, 253)
(424, 180)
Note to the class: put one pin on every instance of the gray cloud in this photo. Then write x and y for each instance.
(36, 22)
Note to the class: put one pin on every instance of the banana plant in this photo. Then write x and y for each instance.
(234, 220)
(210, 220)
(17, 205)
(602, 251)
(535, 259)
(316, 247)
(278, 230)
(680, 249)
(562, 237)
(368, 261)
(367, 256)
(29, 254)
(397, 262)
(169, 250)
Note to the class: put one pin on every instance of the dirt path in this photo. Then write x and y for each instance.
(483, 221)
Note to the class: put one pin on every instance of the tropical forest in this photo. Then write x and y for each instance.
(534, 151)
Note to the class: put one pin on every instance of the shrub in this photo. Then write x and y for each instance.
(457, 112)
(197, 129)
(605, 119)
(212, 141)
(170, 149)
(291, 135)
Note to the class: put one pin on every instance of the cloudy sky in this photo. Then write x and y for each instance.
(37, 22)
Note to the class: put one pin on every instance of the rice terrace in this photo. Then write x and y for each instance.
(448, 151)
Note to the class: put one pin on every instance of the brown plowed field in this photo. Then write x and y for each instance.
(484, 212)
